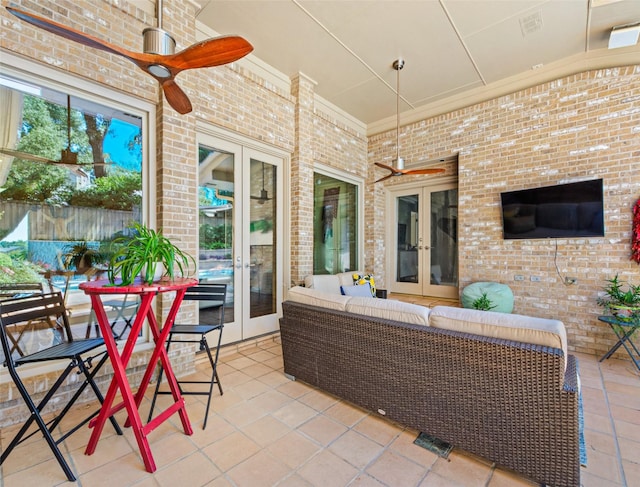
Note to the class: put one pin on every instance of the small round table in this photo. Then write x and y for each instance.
(119, 361)
(624, 330)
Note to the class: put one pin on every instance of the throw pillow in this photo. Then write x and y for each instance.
(360, 279)
(361, 291)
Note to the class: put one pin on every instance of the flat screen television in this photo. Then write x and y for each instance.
(561, 211)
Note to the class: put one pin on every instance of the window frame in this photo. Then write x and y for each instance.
(42, 75)
(358, 182)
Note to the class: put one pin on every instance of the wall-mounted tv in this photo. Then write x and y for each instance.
(561, 211)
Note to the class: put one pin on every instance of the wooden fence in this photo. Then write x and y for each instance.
(64, 223)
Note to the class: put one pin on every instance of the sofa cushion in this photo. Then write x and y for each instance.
(359, 279)
(519, 328)
(389, 309)
(360, 290)
(314, 297)
(328, 283)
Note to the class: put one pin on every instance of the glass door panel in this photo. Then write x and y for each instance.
(425, 257)
(262, 231)
(262, 242)
(408, 225)
(217, 236)
(443, 246)
(240, 230)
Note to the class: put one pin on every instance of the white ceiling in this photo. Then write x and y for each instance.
(451, 48)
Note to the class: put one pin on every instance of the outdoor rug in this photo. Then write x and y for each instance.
(583, 447)
(434, 445)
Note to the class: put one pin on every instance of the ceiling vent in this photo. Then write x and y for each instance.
(531, 24)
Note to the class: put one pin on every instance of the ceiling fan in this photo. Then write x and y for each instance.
(68, 158)
(264, 195)
(399, 169)
(158, 58)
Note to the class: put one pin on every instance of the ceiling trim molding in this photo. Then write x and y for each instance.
(600, 59)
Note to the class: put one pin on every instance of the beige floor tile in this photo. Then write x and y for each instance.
(130, 470)
(631, 472)
(392, 469)
(356, 449)
(629, 450)
(465, 470)
(231, 450)
(193, 470)
(260, 470)
(294, 414)
(365, 480)
(628, 430)
(504, 478)
(404, 445)
(603, 466)
(266, 430)
(327, 470)
(346, 413)
(378, 429)
(319, 400)
(294, 449)
(242, 413)
(241, 362)
(251, 389)
(322, 429)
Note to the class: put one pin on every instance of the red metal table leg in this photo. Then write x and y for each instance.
(119, 363)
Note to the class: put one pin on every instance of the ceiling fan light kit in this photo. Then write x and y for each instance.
(398, 168)
(158, 58)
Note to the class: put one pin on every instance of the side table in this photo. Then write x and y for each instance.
(120, 382)
(624, 330)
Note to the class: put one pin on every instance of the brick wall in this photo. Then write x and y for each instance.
(580, 127)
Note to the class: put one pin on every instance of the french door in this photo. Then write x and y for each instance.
(240, 222)
(424, 253)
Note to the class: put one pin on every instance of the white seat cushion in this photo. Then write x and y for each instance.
(314, 297)
(519, 328)
(390, 309)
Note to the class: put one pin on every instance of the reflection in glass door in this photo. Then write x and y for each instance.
(426, 252)
(239, 230)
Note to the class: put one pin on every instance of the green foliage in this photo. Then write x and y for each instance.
(483, 303)
(616, 295)
(17, 271)
(44, 132)
(215, 237)
(117, 191)
(145, 250)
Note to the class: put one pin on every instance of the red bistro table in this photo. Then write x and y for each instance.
(119, 360)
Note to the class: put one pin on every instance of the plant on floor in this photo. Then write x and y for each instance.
(142, 253)
(620, 302)
(483, 303)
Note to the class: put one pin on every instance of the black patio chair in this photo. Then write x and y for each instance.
(49, 340)
(211, 297)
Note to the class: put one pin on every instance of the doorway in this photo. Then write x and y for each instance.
(241, 233)
(424, 250)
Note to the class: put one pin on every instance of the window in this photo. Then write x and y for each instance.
(57, 219)
(336, 221)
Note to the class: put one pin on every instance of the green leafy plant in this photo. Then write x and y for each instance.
(615, 294)
(620, 302)
(483, 303)
(142, 253)
(83, 257)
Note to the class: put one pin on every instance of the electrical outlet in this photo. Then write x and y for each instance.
(570, 280)
(535, 278)
(518, 277)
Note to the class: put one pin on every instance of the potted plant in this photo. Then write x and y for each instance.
(83, 257)
(483, 303)
(622, 303)
(144, 253)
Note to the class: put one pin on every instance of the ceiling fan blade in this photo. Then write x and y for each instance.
(385, 166)
(71, 34)
(25, 156)
(423, 171)
(43, 160)
(211, 52)
(176, 97)
(385, 178)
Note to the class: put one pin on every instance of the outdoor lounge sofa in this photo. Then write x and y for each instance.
(498, 385)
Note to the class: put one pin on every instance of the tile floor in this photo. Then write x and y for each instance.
(270, 431)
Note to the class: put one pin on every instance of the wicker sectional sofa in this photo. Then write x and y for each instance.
(497, 385)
